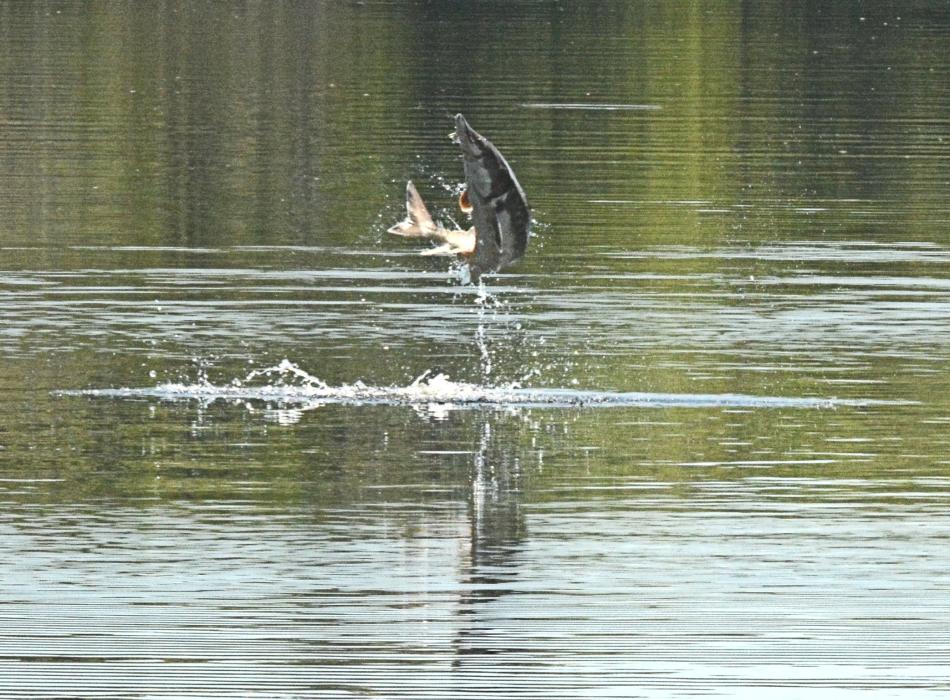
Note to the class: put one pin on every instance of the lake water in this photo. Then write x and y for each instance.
(696, 443)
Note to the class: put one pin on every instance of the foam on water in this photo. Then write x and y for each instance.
(289, 385)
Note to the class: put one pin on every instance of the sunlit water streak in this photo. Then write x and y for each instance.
(884, 311)
(644, 600)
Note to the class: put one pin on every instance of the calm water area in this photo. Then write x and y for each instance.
(696, 443)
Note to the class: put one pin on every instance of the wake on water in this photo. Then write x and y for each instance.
(288, 385)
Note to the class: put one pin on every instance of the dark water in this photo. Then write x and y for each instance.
(732, 200)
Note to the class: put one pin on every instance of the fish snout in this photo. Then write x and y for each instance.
(466, 137)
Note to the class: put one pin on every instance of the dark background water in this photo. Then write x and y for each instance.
(741, 198)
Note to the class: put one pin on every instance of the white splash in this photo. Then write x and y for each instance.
(293, 388)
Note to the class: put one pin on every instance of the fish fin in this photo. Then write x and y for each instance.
(465, 203)
(418, 222)
(466, 242)
(444, 249)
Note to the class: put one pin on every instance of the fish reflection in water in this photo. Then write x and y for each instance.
(497, 531)
(492, 197)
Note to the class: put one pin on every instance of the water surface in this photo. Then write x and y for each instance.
(695, 443)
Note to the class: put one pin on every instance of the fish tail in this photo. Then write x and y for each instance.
(418, 222)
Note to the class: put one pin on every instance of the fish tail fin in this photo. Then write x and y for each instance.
(418, 222)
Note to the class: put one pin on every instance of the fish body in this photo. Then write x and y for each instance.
(494, 199)
(500, 209)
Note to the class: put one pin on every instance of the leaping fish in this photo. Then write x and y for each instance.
(495, 201)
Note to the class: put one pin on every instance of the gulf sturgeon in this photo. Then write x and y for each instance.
(492, 197)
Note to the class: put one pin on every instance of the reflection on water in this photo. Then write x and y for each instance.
(704, 442)
(438, 562)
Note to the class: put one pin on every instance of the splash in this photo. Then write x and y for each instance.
(293, 388)
(281, 372)
(482, 302)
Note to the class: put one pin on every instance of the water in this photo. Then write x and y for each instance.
(695, 443)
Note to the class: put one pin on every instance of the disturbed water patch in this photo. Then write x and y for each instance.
(289, 385)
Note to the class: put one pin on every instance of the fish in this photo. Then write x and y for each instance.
(493, 198)
(420, 224)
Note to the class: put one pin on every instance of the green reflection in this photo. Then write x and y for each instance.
(684, 236)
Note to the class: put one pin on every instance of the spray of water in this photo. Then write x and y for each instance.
(282, 372)
(289, 390)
